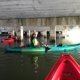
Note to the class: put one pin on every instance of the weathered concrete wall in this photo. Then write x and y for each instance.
(41, 22)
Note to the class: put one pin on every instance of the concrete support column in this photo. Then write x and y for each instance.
(20, 34)
(21, 29)
(13, 32)
(63, 34)
(44, 33)
(53, 30)
(53, 33)
(64, 31)
(28, 33)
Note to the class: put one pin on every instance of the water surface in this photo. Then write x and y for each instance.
(16, 66)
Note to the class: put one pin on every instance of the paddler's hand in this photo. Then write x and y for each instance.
(37, 46)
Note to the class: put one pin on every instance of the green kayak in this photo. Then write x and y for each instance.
(43, 50)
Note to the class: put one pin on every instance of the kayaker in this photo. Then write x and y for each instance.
(32, 36)
(10, 35)
(35, 42)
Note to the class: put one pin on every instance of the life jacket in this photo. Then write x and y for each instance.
(33, 43)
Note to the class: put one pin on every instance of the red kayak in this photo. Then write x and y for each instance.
(66, 68)
(10, 40)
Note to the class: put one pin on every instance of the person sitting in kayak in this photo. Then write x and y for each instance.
(35, 42)
(10, 35)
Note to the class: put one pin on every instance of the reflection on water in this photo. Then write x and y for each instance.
(16, 66)
(34, 61)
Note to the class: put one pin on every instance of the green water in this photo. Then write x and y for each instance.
(16, 66)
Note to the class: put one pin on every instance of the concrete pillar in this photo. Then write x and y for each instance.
(52, 33)
(20, 34)
(63, 34)
(64, 31)
(28, 33)
(21, 29)
(44, 33)
(41, 33)
(31, 32)
(13, 32)
(53, 30)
